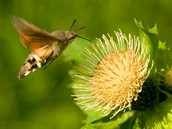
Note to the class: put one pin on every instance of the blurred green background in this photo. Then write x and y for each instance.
(43, 99)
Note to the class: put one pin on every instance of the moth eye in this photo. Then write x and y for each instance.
(39, 64)
(71, 36)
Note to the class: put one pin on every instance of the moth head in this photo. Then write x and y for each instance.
(64, 35)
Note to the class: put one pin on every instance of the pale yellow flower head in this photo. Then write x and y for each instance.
(113, 73)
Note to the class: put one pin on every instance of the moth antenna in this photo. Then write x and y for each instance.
(72, 24)
(79, 28)
(83, 38)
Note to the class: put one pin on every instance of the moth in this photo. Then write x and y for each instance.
(44, 46)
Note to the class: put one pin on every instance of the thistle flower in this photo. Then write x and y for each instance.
(112, 74)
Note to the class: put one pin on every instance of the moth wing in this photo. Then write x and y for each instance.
(33, 37)
(41, 46)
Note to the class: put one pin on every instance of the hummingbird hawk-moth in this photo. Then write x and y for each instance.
(44, 46)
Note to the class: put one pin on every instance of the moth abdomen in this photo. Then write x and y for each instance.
(30, 65)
